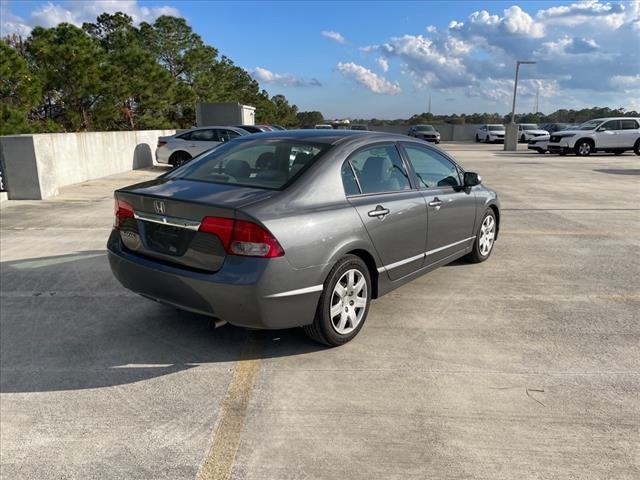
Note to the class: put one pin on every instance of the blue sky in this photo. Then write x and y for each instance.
(383, 59)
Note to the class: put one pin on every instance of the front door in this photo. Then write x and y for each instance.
(451, 209)
(610, 134)
(393, 213)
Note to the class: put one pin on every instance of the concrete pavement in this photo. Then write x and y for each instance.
(525, 366)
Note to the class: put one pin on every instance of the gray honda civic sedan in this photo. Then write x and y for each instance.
(299, 228)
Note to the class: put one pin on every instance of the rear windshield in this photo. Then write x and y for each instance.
(264, 163)
(495, 128)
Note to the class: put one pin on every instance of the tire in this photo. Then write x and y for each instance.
(326, 328)
(523, 139)
(584, 148)
(540, 150)
(479, 253)
(179, 158)
(636, 147)
(487, 139)
(618, 152)
(477, 138)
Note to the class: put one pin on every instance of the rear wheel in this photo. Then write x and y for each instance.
(584, 148)
(636, 147)
(344, 303)
(485, 238)
(179, 158)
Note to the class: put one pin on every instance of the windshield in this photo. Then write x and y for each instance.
(530, 126)
(270, 164)
(590, 125)
(425, 128)
(495, 128)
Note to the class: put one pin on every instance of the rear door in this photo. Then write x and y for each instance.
(451, 209)
(629, 132)
(394, 214)
(202, 140)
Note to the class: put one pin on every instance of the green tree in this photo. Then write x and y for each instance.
(309, 119)
(19, 92)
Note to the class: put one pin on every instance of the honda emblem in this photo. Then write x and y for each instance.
(158, 205)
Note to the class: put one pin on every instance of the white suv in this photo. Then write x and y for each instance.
(527, 131)
(490, 133)
(612, 135)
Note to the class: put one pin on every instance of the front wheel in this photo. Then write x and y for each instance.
(523, 139)
(344, 304)
(477, 138)
(485, 238)
(636, 147)
(584, 148)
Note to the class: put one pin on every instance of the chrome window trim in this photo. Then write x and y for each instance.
(399, 263)
(164, 220)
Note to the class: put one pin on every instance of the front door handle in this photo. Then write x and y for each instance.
(436, 202)
(379, 212)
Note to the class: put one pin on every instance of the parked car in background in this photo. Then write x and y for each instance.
(541, 142)
(424, 132)
(323, 126)
(612, 135)
(360, 127)
(247, 236)
(183, 146)
(527, 131)
(490, 133)
(277, 127)
(254, 128)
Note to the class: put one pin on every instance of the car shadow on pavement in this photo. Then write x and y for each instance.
(67, 324)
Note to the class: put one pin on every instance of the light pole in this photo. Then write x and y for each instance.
(511, 134)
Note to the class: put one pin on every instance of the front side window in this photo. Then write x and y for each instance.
(629, 124)
(432, 168)
(258, 163)
(611, 125)
(379, 169)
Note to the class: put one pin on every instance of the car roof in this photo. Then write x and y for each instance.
(611, 118)
(321, 136)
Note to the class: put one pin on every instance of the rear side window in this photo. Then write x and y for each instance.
(432, 168)
(349, 180)
(270, 164)
(380, 169)
(629, 124)
(207, 135)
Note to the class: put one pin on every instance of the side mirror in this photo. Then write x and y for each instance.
(601, 129)
(471, 179)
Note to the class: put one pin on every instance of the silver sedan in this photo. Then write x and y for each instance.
(299, 228)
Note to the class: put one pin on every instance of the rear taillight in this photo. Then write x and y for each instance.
(241, 237)
(161, 143)
(122, 210)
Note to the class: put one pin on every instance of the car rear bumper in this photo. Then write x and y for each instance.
(247, 292)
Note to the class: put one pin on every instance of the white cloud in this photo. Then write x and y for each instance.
(335, 36)
(282, 79)
(584, 47)
(383, 63)
(365, 77)
(50, 14)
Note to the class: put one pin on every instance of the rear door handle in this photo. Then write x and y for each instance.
(379, 212)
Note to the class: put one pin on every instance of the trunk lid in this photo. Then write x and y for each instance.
(167, 214)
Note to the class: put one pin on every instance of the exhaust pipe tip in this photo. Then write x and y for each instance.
(217, 323)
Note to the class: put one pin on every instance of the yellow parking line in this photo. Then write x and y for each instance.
(219, 461)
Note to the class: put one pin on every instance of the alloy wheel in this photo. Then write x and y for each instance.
(487, 235)
(348, 301)
(584, 148)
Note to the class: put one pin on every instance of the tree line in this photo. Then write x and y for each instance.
(112, 75)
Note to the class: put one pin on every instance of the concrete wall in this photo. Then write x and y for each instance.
(447, 132)
(36, 166)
